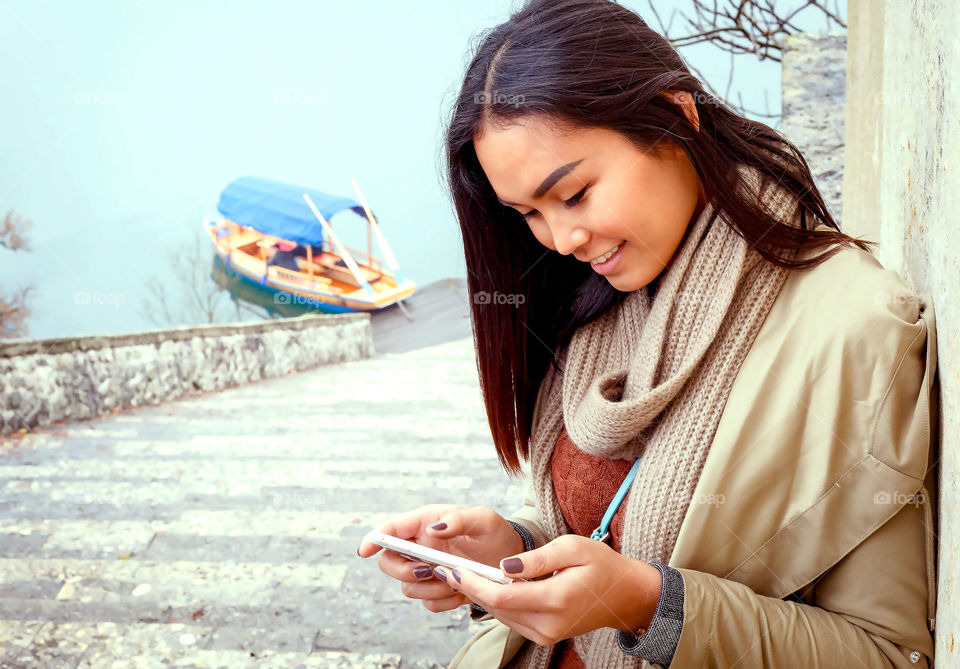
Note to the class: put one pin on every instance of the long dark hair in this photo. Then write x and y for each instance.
(592, 63)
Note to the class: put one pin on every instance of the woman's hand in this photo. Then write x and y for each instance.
(476, 533)
(592, 586)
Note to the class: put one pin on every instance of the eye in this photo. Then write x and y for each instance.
(572, 202)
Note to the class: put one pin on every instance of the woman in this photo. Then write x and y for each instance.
(699, 354)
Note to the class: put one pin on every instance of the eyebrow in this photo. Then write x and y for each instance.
(549, 182)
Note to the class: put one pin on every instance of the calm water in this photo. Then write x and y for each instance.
(122, 122)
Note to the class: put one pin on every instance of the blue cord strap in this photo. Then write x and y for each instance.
(603, 532)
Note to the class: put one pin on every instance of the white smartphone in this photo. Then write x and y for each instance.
(414, 551)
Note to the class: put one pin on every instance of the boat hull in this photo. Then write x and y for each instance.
(327, 287)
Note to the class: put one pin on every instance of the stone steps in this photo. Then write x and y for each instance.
(197, 532)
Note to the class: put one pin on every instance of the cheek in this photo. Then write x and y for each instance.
(615, 214)
(626, 222)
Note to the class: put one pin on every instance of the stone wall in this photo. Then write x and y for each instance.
(813, 84)
(47, 380)
(902, 188)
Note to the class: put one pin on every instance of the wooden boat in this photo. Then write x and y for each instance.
(278, 236)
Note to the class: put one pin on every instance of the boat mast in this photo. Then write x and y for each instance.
(387, 251)
(347, 258)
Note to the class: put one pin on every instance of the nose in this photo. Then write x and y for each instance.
(568, 236)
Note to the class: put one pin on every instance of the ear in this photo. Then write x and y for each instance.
(685, 100)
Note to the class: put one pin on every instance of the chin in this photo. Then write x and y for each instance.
(625, 284)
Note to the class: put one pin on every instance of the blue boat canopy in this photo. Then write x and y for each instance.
(279, 210)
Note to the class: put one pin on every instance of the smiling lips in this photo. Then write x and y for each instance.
(606, 256)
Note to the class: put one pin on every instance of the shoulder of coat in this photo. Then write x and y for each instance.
(852, 291)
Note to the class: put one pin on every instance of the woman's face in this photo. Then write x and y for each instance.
(589, 191)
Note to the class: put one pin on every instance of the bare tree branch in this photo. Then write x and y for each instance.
(745, 26)
(193, 297)
(14, 231)
(742, 27)
(14, 312)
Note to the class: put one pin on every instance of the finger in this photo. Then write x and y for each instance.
(549, 558)
(403, 569)
(446, 604)
(430, 589)
(462, 521)
(404, 526)
(519, 597)
(512, 604)
(367, 548)
(474, 587)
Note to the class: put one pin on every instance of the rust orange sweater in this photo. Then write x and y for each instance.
(585, 485)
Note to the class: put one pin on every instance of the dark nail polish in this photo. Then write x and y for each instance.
(422, 572)
(438, 572)
(512, 565)
(438, 526)
(456, 575)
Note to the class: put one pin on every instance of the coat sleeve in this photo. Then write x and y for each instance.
(844, 619)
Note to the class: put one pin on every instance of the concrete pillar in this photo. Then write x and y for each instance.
(863, 120)
(902, 188)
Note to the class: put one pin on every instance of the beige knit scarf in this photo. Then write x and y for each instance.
(652, 380)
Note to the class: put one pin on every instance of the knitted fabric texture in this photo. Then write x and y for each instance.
(651, 379)
(585, 485)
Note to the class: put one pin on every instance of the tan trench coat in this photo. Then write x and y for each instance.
(816, 484)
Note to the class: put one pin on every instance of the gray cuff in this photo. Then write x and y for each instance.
(524, 534)
(660, 642)
(476, 611)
